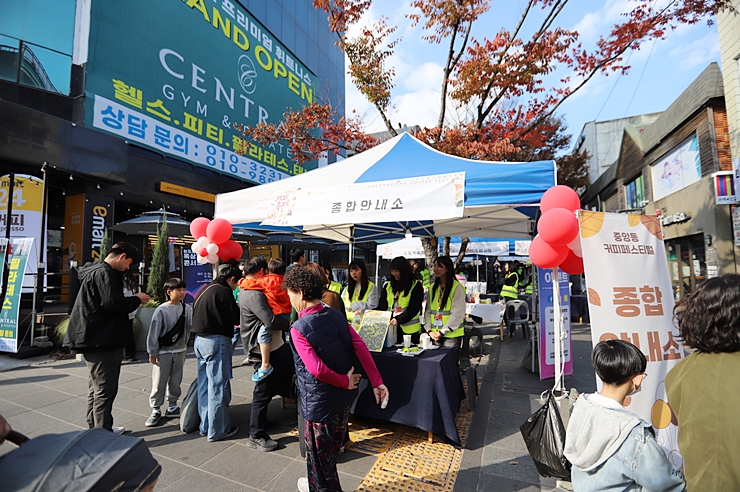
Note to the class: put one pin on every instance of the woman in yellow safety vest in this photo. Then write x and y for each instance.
(360, 293)
(332, 285)
(510, 289)
(445, 313)
(402, 296)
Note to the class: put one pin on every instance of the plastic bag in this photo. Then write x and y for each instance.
(544, 435)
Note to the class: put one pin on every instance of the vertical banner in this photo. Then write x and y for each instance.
(98, 217)
(21, 249)
(195, 275)
(74, 213)
(28, 202)
(630, 298)
(547, 323)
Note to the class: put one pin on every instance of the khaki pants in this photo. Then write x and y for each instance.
(167, 376)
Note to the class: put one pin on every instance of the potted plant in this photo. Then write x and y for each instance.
(158, 274)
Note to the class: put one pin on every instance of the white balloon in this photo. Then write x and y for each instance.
(212, 249)
(203, 242)
(575, 246)
(195, 247)
(202, 260)
(212, 259)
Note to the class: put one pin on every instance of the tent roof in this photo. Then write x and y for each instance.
(497, 194)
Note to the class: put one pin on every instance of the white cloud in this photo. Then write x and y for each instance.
(698, 53)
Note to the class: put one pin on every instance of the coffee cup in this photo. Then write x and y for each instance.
(426, 341)
(407, 341)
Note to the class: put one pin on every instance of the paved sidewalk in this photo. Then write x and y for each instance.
(495, 456)
(49, 397)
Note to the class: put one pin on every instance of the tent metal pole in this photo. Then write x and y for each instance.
(558, 329)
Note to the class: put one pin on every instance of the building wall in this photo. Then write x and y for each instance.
(728, 27)
(602, 141)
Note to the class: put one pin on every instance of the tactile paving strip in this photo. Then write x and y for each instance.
(408, 462)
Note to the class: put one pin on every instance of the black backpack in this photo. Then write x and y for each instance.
(174, 334)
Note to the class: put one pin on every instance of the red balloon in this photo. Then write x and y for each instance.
(219, 231)
(558, 226)
(198, 227)
(572, 264)
(202, 252)
(545, 255)
(560, 197)
(230, 250)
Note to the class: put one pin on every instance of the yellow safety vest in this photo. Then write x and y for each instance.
(413, 325)
(511, 290)
(426, 279)
(445, 311)
(355, 298)
(335, 287)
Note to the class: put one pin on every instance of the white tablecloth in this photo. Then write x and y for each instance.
(491, 312)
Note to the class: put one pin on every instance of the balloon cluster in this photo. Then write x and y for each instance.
(558, 243)
(212, 241)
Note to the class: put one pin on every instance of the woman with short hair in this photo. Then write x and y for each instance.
(324, 350)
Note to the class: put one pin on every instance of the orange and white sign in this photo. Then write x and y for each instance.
(630, 298)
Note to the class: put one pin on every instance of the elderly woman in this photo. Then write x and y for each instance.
(324, 350)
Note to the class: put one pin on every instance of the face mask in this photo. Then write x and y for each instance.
(636, 390)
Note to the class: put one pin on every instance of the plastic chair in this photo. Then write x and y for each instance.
(517, 313)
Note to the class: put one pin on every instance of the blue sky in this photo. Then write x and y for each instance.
(663, 69)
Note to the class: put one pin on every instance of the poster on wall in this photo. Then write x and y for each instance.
(195, 275)
(21, 249)
(26, 218)
(629, 296)
(677, 170)
(547, 323)
(182, 95)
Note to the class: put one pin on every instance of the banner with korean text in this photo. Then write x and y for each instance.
(547, 348)
(21, 249)
(434, 197)
(26, 219)
(630, 298)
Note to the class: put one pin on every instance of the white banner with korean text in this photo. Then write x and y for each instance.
(630, 298)
(434, 197)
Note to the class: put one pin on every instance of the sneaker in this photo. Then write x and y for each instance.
(118, 430)
(260, 374)
(174, 412)
(303, 484)
(262, 444)
(252, 359)
(153, 420)
(232, 432)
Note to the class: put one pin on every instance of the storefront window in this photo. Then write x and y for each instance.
(635, 191)
(687, 264)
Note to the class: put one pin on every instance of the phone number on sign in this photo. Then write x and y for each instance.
(120, 120)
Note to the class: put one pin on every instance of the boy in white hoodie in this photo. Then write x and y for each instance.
(610, 448)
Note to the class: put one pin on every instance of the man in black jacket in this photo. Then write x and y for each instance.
(255, 312)
(215, 314)
(98, 326)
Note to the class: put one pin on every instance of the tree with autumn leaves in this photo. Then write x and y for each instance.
(498, 82)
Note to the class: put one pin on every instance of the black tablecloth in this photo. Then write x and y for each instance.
(425, 390)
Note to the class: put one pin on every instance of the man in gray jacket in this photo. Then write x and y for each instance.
(254, 313)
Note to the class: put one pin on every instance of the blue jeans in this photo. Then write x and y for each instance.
(214, 387)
